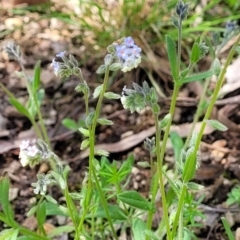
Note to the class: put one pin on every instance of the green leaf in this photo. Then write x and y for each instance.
(217, 125)
(115, 212)
(196, 77)
(195, 53)
(36, 78)
(89, 119)
(189, 167)
(216, 66)
(194, 186)
(152, 235)
(4, 201)
(101, 69)
(227, 229)
(84, 131)
(97, 91)
(138, 228)
(125, 168)
(41, 214)
(177, 144)
(9, 234)
(111, 95)
(19, 107)
(104, 121)
(60, 230)
(84, 144)
(70, 124)
(237, 49)
(172, 57)
(51, 199)
(165, 121)
(54, 209)
(32, 211)
(115, 66)
(31, 105)
(101, 152)
(134, 199)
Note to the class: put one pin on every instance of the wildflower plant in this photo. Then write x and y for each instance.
(104, 202)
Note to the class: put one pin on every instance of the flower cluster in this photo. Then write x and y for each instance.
(65, 65)
(32, 153)
(128, 53)
(40, 187)
(29, 154)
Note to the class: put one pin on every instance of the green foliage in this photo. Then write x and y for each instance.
(227, 229)
(104, 198)
(234, 196)
(72, 124)
(217, 125)
(172, 57)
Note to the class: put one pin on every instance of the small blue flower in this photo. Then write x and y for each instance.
(128, 53)
(129, 42)
(56, 66)
(61, 54)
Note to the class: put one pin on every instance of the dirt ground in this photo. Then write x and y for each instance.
(42, 39)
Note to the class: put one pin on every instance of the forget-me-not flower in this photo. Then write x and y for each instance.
(128, 53)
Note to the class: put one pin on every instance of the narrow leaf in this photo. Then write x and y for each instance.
(217, 125)
(84, 144)
(36, 78)
(177, 144)
(227, 229)
(172, 57)
(138, 229)
(195, 53)
(19, 106)
(115, 212)
(4, 200)
(41, 214)
(97, 91)
(196, 77)
(134, 199)
(111, 95)
(104, 121)
(70, 124)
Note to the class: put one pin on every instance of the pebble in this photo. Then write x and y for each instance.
(13, 193)
(135, 171)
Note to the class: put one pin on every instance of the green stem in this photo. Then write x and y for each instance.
(198, 112)
(166, 134)
(215, 94)
(92, 171)
(180, 228)
(33, 96)
(72, 211)
(92, 148)
(206, 117)
(179, 211)
(159, 179)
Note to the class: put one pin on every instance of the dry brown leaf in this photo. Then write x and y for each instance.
(133, 140)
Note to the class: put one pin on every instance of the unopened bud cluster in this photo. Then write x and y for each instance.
(181, 12)
(13, 50)
(139, 97)
(65, 65)
(150, 144)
